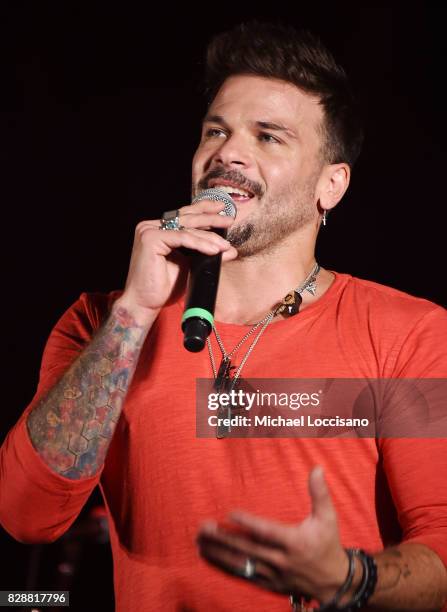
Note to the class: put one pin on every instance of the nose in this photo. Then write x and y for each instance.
(234, 151)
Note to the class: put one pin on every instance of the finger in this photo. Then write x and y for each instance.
(177, 240)
(229, 254)
(262, 529)
(213, 237)
(210, 206)
(204, 206)
(148, 224)
(208, 243)
(223, 558)
(205, 220)
(244, 546)
(322, 506)
(147, 232)
(232, 563)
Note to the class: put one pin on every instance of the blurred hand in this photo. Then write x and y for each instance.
(303, 559)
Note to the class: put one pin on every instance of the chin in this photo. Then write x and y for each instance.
(240, 235)
(247, 244)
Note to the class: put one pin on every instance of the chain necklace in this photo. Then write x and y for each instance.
(289, 306)
(226, 357)
(223, 382)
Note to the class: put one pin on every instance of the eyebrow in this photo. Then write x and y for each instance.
(215, 119)
(265, 125)
(275, 127)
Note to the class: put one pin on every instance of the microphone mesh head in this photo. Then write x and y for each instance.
(218, 195)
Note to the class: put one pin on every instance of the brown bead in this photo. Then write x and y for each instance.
(293, 307)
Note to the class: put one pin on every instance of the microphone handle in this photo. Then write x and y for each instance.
(198, 318)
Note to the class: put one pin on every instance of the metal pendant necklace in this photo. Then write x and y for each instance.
(224, 380)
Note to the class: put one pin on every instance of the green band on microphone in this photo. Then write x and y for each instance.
(201, 313)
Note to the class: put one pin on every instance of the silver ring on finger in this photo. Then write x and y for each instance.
(249, 569)
(170, 221)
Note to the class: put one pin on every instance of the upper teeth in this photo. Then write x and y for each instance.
(229, 189)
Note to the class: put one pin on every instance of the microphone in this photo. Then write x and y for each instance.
(198, 317)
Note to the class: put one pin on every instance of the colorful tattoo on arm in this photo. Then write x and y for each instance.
(71, 428)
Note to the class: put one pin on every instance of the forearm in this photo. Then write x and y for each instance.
(71, 428)
(410, 576)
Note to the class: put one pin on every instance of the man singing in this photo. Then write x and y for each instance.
(249, 523)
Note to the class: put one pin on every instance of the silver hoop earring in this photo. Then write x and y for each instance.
(324, 218)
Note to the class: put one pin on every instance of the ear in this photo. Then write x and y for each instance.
(333, 183)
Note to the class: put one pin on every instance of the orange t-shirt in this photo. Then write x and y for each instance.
(160, 481)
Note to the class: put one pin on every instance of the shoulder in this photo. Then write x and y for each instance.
(408, 334)
(388, 304)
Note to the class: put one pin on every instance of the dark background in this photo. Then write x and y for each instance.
(100, 117)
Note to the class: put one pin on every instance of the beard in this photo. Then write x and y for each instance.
(277, 217)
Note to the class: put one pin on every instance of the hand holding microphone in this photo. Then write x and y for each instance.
(155, 265)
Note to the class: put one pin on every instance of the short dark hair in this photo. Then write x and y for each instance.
(279, 51)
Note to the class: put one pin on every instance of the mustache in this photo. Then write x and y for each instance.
(235, 177)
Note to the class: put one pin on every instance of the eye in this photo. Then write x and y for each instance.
(264, 137)
(214, 133)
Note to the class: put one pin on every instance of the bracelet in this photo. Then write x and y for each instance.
(341, 591)
(333, 603)
(365, 590)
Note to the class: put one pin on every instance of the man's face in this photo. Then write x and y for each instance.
(261, 142)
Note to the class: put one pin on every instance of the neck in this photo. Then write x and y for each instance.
(250, 287)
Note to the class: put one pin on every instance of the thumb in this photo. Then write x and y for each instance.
(322, 506)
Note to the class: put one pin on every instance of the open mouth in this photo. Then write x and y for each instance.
(236, 193)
